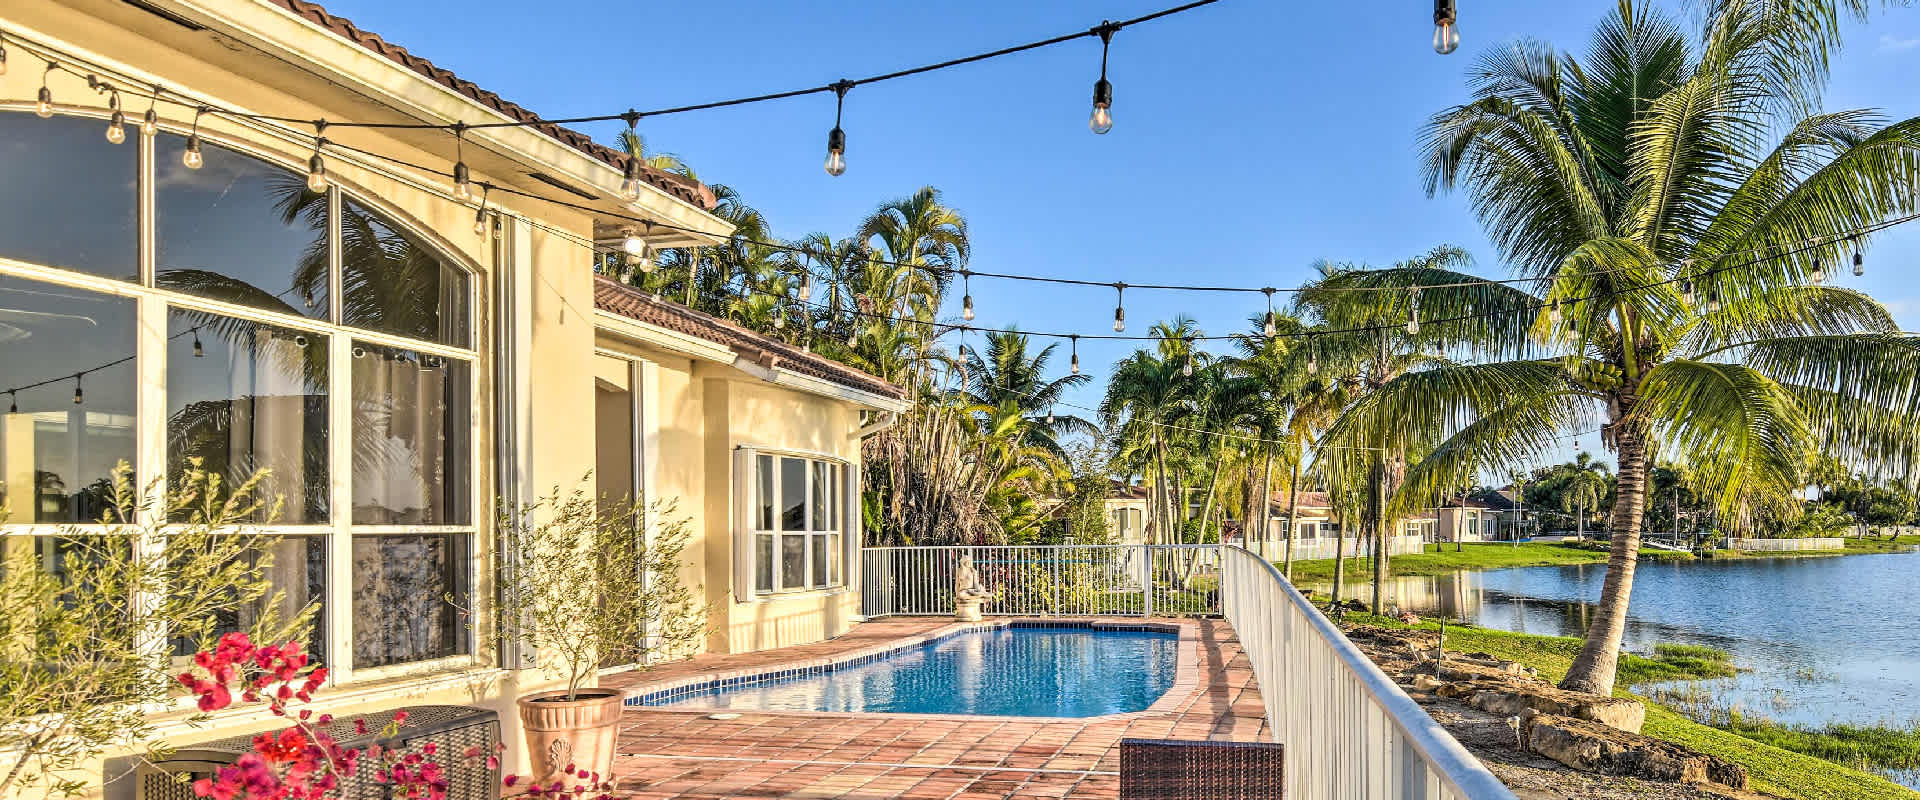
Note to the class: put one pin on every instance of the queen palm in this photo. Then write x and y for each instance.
(1677, 250)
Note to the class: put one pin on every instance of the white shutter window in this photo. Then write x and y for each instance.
(743, 499)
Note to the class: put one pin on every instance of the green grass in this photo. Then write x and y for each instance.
(1871, 545)
(1770, 765)
(1471, 556)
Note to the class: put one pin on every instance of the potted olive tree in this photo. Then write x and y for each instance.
(586, 584)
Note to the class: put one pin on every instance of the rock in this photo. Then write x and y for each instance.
(1516, 697)
(1593, 747)
(1426, 683)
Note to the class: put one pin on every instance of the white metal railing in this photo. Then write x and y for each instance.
(1788, 545)
(1349, 730)
(1046, 580)
(1319, 549)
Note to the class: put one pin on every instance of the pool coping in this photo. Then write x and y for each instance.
(1186, 670)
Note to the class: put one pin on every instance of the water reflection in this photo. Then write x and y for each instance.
(1821, 640)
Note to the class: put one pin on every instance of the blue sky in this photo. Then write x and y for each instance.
(1251, 137)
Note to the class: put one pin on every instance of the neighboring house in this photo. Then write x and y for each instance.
(1469, 520)
(399, 368)
(1126, 507)
(1318, 520)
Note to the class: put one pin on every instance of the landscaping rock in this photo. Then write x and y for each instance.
(1589, 746)
(1620, 713)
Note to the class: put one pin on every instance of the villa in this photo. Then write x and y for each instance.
(399, 356)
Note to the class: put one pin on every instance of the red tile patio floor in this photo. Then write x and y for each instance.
(682, 754)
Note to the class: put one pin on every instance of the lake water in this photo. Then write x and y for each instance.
(1828, 639)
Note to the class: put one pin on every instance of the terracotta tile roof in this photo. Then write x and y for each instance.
(615, 298)
(1123, 491)
(1307, 500)
(684, 188)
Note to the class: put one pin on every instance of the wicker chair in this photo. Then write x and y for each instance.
(1173, 769)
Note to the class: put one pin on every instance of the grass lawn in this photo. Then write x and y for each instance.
(1871, 545)
(1471, 556)
(1772, 769)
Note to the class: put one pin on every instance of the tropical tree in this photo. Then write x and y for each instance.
(1146, 395)
(1678, 249)
(1583, 492)
(1006, 374)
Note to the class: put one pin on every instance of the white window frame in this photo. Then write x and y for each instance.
(843, 521)
(152, 308)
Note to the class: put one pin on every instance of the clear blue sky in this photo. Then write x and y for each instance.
(1251, 137)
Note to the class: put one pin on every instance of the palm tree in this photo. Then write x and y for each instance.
(1583, 491)
(1005, 374)
(1672, 241)
(1144, 396)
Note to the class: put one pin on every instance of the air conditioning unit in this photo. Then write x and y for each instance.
(454, 729)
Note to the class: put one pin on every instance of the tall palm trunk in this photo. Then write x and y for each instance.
(1263, 505)
(1293, 513)
(1593, 669)
(1339, 560)
(1376, 519)
(1580, 522)
(1213, 486)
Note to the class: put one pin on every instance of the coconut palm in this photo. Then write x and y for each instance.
(1676, 247)
(1144, 395)
(1005, 374)
(1583, 491)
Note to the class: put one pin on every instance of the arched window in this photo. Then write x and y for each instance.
(304, 333)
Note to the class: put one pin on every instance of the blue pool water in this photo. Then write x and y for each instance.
(1023, 672)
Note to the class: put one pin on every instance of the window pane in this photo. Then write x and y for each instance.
(793, 562)
(67, 195)
(57, 456)
(299, 573)
(410, 427)
(763, 477)
(820, 485)
(819, 559)
(396, 284)
(793, 494)
(400, 586)
(833, 560)
(763, 562)
(239, 229)
(244, 397)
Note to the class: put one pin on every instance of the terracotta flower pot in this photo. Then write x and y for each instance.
(579, 732)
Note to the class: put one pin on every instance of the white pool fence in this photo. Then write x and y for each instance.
(1045, 580)
(1787, 545)
(1351, 733)
(1318, 549)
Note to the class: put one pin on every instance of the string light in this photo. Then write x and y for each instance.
(192, 158)
(1313, 354)
(199, 351)
(630, 174)
(1186, 368)
(966, 297)
(13, 398)
(1119, 307)
(1102, 119)
(1049, 415)
(79, 394)
(836, 138)
(1713, 301)
(1819, 274)
(1270, 328)
(462, 177)
(806, 287)
(150, 121)
(638, 252)
(1446, 35)
(1413, 312)
(1553, 313)
(45, 107)
(1686, 292)
(117, 122)
(1859, 259)
(1075, 347)
(480, 216)
(316, 166)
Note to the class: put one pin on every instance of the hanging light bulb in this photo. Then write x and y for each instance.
(1686, 292)
(1076, 353)
(462, 177)
(1819, 273)
(630, 171)
(192, 158)
(779, 318)
(199, 351)
(1271, 327)
(806, 288)
(44, 108)
(1313, 356)
(316, 166)
(1413, 312)
(117, 123)
(1049, 415)
(1713, 301)
(1186, 369)
(150, 122)
(836, 138)
(13, 400)
(966, 298)
(1446, 35)
(79, 394)
(1119, 307)
(480, 221)
(1102, 119)
(1553, 312)
(1859, 261)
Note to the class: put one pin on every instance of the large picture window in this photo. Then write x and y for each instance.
(795, 522)
(261, 326)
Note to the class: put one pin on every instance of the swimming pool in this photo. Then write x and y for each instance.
(1021, 671)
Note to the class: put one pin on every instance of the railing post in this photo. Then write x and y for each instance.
(1146, 580)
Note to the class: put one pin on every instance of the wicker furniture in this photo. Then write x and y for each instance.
(453, 728)
(1172, 769)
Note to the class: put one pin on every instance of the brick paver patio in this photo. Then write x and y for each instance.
(682, 754)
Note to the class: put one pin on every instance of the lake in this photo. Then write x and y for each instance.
(1821, 639)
